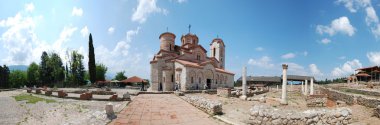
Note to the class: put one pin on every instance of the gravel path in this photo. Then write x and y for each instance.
(62, 112)
(10, 110)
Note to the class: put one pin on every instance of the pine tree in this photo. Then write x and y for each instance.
(91, 60)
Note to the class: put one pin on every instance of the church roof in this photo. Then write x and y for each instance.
(200, 65)
(218, 40)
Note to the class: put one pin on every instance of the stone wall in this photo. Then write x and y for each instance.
(266, 115)
(350, 98)
(209, 106)
(316, 100)
(224, 92)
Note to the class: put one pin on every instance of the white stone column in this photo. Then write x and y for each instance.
(284, 82)
(306, 89)
(277, 87)
(302, 88)
(244, 86)
(311, 86)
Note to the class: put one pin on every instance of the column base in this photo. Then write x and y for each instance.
(283, 102)
(243, 97)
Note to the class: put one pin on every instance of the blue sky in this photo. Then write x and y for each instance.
(324, 38)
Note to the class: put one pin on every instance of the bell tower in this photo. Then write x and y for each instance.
(217, 49)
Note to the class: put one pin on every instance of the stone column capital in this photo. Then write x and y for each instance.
(284, 66)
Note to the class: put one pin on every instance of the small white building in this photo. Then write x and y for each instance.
(187, 67)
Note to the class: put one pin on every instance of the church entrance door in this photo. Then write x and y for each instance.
(208, 83)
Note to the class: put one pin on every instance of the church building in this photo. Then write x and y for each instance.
(187, 67)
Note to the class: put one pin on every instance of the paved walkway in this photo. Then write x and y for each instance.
(162, 109)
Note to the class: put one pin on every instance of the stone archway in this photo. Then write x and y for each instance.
(209, 76)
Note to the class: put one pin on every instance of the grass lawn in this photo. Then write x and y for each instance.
(31, 99)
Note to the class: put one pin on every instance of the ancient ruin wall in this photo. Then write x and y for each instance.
(266, 115)
(209, 106)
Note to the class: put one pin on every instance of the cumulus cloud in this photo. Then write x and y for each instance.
(84, 31)
(29, 7)
(371, 16)
(263, 62)
(374, 57)
(314, 70)
(77, 12)
(121, 52)
(354, 5)
(111, 30)
(259, 49)
(346, 69)
(288, 56)
(340, 25)
(325, 41)
(145, 8)
(295, 69)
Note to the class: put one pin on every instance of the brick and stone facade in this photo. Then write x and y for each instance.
(187, 67)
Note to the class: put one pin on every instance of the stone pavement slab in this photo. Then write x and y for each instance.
(162, 109)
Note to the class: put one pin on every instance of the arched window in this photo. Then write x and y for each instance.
(200, 80)
(192, 79)
(170, 47)
(172, 77)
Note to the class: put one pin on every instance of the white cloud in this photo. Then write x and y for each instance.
(84, 31)
(314, 70)
(263, 62)
(29, 7)
(348, 68)
(111, 30)
(325, 41)
(131, 33)
(127, 59)
(340, 25)
(288, 56)
(259, 49)
(295, 69)
(77, 12)
(354, 5)
(144, 8)
(371, 16)
(374, 57)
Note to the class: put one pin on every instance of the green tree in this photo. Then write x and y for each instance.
(101, 71)
(57, 69)
(4, 76)
(120, 76)
(17, 78)
(91, 61)
(76, 69)
(44, 70)
(32, 74)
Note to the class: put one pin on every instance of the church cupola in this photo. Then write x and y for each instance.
(217, 49)
(189, 39)
(167, 40)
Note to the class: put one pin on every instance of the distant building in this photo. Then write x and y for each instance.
(366, 74)
(187, 67)
(273, 80)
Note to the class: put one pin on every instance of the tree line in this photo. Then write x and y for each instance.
(52, 72)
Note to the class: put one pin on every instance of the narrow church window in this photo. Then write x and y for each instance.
(172, 77)
(170, 47)
(192, 79)
(200, 80)
(214, 52)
